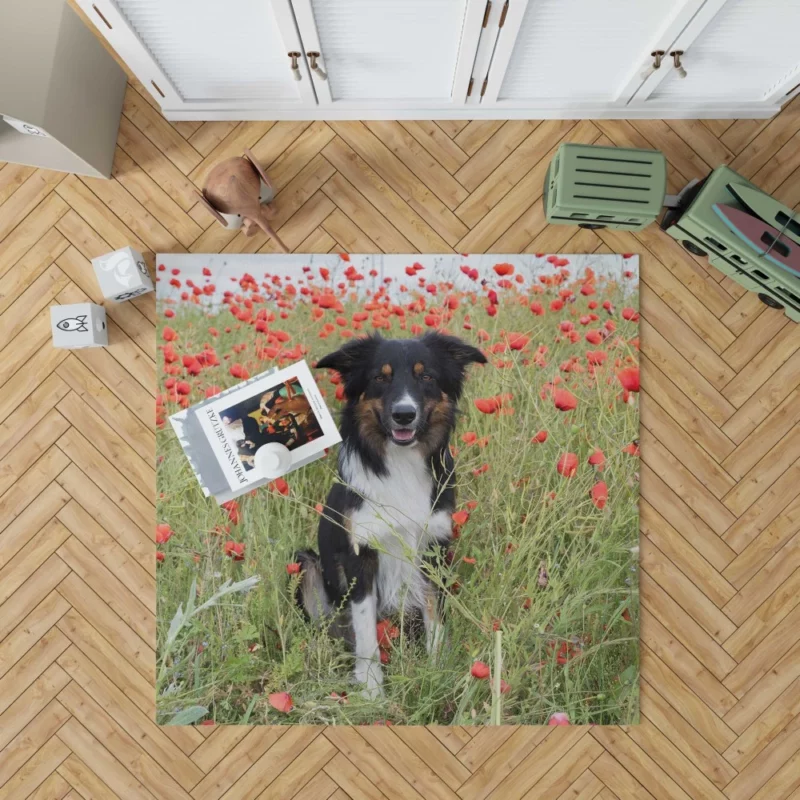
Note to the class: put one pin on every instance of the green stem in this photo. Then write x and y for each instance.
(497, 703)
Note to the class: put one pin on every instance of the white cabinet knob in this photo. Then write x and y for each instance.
(315, 68)
(676, 60)
(657, 56)
(295, 66)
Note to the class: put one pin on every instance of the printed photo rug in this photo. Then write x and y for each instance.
(519, 605)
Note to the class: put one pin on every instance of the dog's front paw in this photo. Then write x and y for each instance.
(370, 676)
(372, 693)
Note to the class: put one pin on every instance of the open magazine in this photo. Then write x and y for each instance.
(257, 431)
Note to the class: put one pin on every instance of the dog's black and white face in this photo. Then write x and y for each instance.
(402, 392)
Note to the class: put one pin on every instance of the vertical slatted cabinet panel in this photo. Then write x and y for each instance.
(207, 55)
(722, 64)
(393, 53)
(555, 54)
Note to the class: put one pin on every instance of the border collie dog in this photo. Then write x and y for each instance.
(396, 495)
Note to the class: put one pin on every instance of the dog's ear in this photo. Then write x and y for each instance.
(454, 356)
(352, 362)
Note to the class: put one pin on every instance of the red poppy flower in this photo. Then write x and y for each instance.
(281, 701)
(460, 517)
(597, 459)
(567, 465)
(168, 334)
(235, 550)
(469, 560)
(163, 533)
(232, 507)
(469, 437)
(630, 314)
(537, 309)
(629, 378)
(280, 486)
(540, 437)
(480, 670)
(559, 718)
(517, 341)
(159, 556)
(488, 405)
(594, 337)
(293, 568)
(564, 400)
(600, 494)
(631, 449)
(505, 687)
(238, 371)
(596, 357)
(386, 632)
(504, 269)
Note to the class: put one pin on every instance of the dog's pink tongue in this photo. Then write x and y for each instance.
(403, 435)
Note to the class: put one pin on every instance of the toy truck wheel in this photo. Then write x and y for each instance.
(591, 226)
(693, 248)
(769, 301)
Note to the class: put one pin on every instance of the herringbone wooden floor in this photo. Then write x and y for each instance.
(720, 509)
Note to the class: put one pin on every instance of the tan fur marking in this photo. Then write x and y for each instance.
(419, 368)
(439, 416)
(386, 370)
(367, 413)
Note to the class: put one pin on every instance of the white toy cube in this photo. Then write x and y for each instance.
(78, 325)
(122, 274)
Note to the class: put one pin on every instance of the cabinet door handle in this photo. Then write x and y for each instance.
(294, 55)
(676, 60)
(657, 55)
(312, 57)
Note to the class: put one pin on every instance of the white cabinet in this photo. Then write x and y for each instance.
(381, 54)
(206, 55)
(362, 59)
(570, 52)
(739, 51)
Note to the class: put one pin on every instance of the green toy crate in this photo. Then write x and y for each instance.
(605, 187)
(697, 227)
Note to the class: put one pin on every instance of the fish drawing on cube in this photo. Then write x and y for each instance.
(79, 325)
(122, 275)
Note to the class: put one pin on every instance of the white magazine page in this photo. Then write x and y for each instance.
(284, 407)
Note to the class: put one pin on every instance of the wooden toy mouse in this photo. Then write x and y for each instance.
(238, 193)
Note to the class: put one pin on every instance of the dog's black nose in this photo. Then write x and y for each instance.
(404, 415)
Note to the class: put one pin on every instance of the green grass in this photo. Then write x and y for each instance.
(231, 656)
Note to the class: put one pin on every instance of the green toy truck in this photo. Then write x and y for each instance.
(696, 225)
(610, 187)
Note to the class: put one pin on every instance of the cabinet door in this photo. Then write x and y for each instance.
(391, 53)
(207, 55)
(734, 52)
(557, 54)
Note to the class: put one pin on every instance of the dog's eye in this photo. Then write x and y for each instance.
(380, 378)
(427, 378)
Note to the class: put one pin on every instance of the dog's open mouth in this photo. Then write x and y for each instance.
(404, 435)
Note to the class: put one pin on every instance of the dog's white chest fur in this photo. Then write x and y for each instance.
(396, 519)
